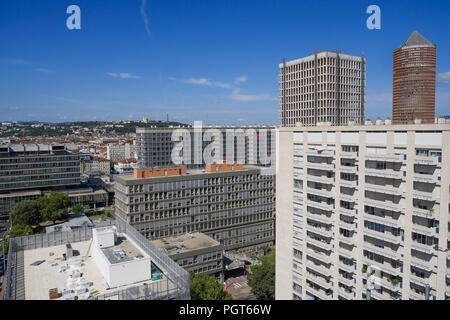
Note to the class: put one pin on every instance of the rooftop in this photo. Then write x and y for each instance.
(189, 172)
(416, 39)
(37, 268)
(122, 251)
(185, 243)
(39, 279)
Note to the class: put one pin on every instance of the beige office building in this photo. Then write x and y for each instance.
(324, 86)
(352, 200)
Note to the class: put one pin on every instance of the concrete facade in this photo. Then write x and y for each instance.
(235, 208)
(355, 198)
(322, 87)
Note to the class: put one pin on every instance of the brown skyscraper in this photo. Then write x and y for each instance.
(414, 81)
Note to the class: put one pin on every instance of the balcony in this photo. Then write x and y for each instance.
(386, 190)
(322, 294)
(320, 244)
(425, 177)
(423, 282)
(347, 240)
(347, 282)
(319, 280)
(320, 231)
(347, 226)
(429, 161)
(319, 179)
(384, 173)
(384, 296)
(421, 264)
(320, 153)
(349, 155)
(384, 236)
(385, 267)
(428, 231)
(349, 169)
(348, 198)
(320, 205)
(428, 196)
(347, 268)
(320, 192)
(424, 213)
(348, 212)
(320, 218)
(320, 268)
(348, 183)
(386, 220)
(349, 295)
(385, 158)
(320, 166)
(385, 252)
(346, 253)
(391, 206)
(318, 256)
(425, 248)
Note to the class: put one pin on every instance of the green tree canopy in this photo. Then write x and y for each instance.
(26, 213)
(54, 206)
(19, 230)
(262, 280)
(207, 288)
(78, 208)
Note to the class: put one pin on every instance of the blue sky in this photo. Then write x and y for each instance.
(214, 60)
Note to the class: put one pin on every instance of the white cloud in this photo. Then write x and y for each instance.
(123, 75)
(444, 77)
(144, 16)
(250, 97)
(172, 78)
(44, 70)
(14, 61)
(240, 79)
(221, 85)
(30, 115)
(241, 119)
(200, 81)
(14, 108)
(207, 82)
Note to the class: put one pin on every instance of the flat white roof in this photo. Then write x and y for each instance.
(45, 276)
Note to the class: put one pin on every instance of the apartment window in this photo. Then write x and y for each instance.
(381, 165)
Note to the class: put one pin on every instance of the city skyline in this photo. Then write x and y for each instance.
(143, 58)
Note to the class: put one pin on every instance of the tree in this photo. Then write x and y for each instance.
(262, 281)
(78, 208)
(19, 230)
(54, 206)
(207, 288)
(26, 213)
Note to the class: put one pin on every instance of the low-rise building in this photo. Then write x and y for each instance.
(195, 252)
(125, 165)
(111, 262)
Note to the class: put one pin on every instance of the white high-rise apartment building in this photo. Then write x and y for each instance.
(324, 86)
(352, 200)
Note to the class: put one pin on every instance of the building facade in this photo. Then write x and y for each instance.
(414, 81)
(118, 151)
(25, 170)
(322, 87)
(95, 163)
(249, 145)
(352, 200)
(234, 207)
